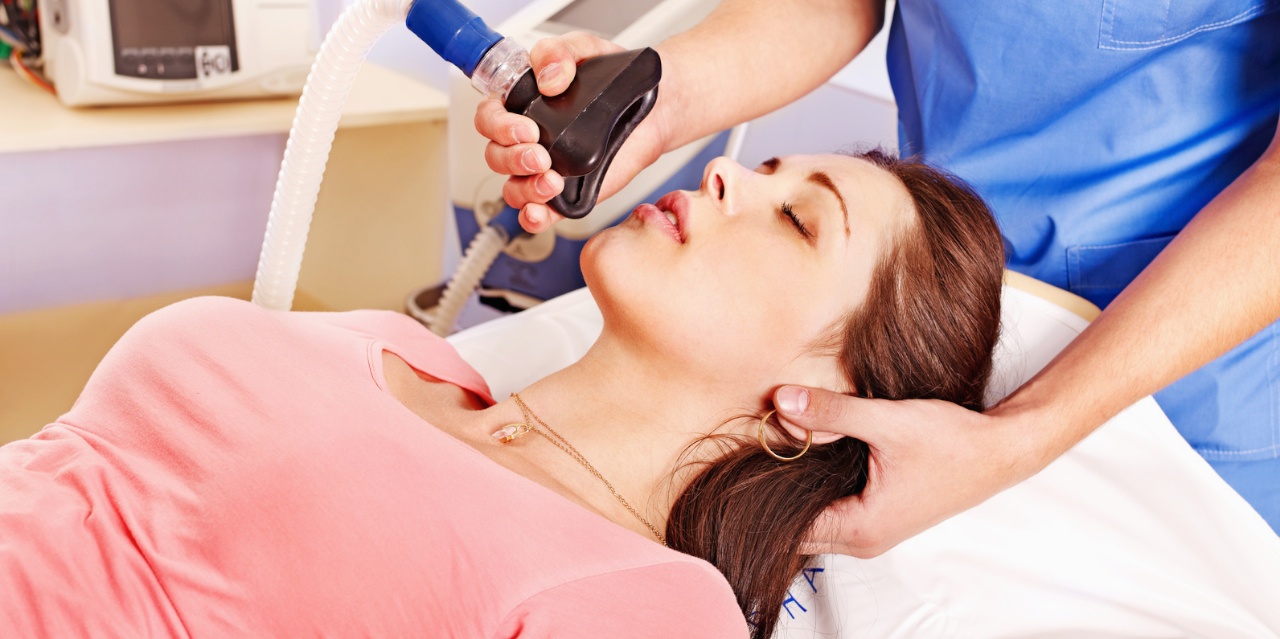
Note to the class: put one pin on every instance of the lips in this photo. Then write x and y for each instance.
(670, 213)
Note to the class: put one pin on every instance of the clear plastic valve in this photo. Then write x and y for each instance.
(500, 68)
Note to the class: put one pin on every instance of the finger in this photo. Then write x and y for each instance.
(534, 189)
(521, 159)
(493, 121)
(555, 60)
(836, 528)
(847, 527)
(536, 218)
(818, 410)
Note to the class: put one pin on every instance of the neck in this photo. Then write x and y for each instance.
(633, 416)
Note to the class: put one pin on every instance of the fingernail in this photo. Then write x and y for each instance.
(535, 216)
(532, 161)
(549, 184)
(792, 400)
(524, 134)
(548, 73)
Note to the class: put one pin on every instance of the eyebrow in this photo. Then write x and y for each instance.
(824, 180)
(821, 179)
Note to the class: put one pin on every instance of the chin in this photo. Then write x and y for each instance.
(605, 277)
(620, 276)
(590, 259)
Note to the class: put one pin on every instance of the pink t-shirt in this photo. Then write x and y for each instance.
(231, 471)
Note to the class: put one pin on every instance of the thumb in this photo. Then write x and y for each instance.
(825, 412)
(555, 60)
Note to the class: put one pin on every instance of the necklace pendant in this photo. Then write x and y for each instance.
(510, 432)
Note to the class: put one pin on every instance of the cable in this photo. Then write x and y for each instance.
(20, 26)
(15, 59)
(10, 38)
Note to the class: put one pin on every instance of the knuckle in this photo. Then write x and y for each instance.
(574, 40)
(518, 192)
(549, 50)
(499, 159)
(583, 41)
(867, 544)
(511, 193)
(829, 407)
(491, 152)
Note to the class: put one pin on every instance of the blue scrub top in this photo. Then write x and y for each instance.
(1096, 130)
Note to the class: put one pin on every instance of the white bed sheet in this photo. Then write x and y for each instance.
(1130, 534)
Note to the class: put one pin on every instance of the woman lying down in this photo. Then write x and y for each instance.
(232, 471)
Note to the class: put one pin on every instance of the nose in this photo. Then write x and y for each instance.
(721, 181)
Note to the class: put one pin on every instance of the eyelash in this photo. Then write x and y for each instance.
(795, 221)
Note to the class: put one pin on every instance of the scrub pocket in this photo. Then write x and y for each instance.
(1098, 273)
(1228, 410)
(1150, 24)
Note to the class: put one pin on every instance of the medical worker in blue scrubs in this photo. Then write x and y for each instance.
(1129, 151)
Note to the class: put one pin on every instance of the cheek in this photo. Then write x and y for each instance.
(629, 279)
(759, 301)
(729, 308)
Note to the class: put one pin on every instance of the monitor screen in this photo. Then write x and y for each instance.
(173, 39)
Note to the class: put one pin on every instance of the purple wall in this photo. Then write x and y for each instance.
(126, 221)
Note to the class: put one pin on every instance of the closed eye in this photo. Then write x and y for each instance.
(795, 221)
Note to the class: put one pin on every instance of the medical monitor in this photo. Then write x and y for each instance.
(173, 39)
(132, 51)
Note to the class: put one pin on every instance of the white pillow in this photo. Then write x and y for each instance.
(1130, 534)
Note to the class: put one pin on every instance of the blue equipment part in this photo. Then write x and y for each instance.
(508, 219)
(453, 31)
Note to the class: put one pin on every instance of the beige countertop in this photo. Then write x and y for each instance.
(33, 120)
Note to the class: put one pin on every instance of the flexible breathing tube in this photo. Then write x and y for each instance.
(454, 32)
(310, 140)
(494, 64)
(484, 249)
(584, 127)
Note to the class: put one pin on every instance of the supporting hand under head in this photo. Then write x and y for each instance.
(513, 148)
(929, 460)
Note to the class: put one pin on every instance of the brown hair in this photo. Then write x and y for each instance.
(926, 330)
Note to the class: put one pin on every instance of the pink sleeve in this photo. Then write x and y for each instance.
(677, 599)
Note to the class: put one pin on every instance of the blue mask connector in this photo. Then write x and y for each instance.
(453, 31)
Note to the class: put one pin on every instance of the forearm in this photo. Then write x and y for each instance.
(750, 57)
(1214, 286)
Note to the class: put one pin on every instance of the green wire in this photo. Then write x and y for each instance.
(5, 50)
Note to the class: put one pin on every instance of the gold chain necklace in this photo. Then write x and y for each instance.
(510, 432)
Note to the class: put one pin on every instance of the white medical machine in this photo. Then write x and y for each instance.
(536, 268)
(99, 52)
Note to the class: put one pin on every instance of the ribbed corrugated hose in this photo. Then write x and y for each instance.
(310, 140)
(484, 249)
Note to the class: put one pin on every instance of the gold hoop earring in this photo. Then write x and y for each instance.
(807, 442)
